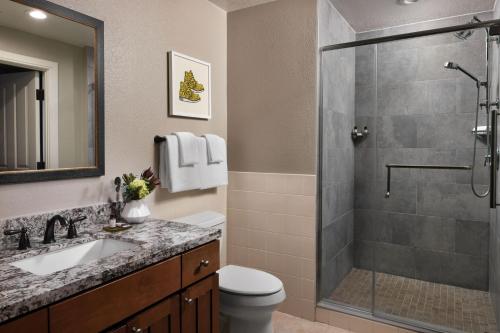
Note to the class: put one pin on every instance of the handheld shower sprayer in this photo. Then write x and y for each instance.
(450, 65)
(479, 84)
(455, 66)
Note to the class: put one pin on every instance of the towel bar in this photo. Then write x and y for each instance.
(415, 166)
(159, 139)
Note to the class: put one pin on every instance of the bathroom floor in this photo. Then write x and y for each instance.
(439, 304)
(285, 323)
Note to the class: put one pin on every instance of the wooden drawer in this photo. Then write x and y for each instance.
(200, 262)
(36, 322)
(97, 309)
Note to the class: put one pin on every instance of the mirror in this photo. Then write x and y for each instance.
(51, 92)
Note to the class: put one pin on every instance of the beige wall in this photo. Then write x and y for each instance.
(271, 226)
(272, 53)
(72, 80)
(138, 35)
(272, 50)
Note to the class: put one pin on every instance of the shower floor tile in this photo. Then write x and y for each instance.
(462, 309)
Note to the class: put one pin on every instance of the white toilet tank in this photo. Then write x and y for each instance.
(208, 219)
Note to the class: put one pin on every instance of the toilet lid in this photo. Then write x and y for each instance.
(248, 281)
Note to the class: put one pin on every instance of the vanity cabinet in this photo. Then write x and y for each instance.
(104, 306)
(37, 321)
(180, 294)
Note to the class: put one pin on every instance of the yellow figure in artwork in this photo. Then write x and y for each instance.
(189, 88)
(186, 94)
(192, 83)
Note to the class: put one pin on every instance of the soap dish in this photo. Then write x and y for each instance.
(118, 228)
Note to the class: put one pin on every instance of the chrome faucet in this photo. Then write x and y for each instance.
(49, 229)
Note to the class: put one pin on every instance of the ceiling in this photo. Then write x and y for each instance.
(14, 15)
(232, 5)
(364, 15)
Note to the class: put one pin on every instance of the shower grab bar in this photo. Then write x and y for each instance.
(416, 166)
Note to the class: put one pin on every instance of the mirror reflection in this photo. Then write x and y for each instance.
(47, 91)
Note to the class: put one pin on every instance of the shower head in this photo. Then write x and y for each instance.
(453, 65)
(465, 34)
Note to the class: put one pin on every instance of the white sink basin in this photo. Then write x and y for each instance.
(52, 262)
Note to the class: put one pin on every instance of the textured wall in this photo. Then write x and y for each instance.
(137, 37)
(272, 87)
(432, 227)
(338, 149)
(272, 145)
(271, 226)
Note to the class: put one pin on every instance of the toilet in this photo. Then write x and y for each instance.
(248, 297)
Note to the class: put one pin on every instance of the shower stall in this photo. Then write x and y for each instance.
(407, 178)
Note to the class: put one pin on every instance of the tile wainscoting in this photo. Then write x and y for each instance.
(272, 227)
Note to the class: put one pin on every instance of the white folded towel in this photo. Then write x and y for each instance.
(216, 147)
(212, 174)
(174, 177)
(188, 149)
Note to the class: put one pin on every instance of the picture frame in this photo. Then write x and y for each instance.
(189, 87)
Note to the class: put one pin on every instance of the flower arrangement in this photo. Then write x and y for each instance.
(135, 188)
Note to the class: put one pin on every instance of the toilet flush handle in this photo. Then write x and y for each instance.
(204, 263)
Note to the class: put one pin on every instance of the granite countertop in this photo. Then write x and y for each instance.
(157, 240)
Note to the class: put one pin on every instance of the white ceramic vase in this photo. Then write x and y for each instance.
(136, 211)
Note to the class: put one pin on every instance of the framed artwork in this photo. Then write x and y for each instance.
(189, 85)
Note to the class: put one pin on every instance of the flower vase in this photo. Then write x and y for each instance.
(136, 211)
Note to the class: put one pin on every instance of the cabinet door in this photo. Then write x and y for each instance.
(200, 307)
(161, 318)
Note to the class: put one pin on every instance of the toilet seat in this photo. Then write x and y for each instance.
(245, 281)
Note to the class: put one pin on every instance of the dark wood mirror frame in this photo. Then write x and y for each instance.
(11, 177)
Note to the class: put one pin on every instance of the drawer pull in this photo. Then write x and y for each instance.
(188, 300)
(204, 263)
(136, 330)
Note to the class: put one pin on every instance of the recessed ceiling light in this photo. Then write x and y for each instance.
(37, 14)
(407, 2)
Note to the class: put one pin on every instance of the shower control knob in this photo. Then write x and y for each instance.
(357, 134)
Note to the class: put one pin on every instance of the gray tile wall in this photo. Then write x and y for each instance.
(338, 151)
(432, 227)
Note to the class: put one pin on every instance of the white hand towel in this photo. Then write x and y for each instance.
(212, 174)
(174, 177)
(188, 149)
(216, 147)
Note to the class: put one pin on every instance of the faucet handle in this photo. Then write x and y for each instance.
(24, 240)
(72, 233)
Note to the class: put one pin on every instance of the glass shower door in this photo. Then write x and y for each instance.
(430, 259)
